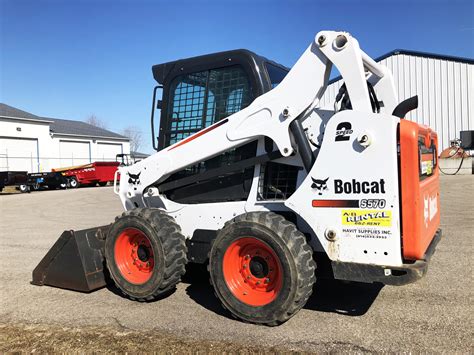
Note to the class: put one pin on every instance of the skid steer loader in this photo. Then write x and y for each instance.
(256, 179)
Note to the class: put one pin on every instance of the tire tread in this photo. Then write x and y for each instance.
(174, 248)
(300, 250)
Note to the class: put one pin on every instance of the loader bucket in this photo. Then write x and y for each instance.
(75, 261)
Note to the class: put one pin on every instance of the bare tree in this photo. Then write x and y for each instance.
(95, 121)
(135, 135)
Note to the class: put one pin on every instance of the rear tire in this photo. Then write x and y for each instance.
(145, 253)
(24, 188)
(262, 268)
(102, 183)
(73, 183)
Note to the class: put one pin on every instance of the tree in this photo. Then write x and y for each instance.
(95, 121)
(135, 135)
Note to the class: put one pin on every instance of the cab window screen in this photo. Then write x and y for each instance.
(276, 74)
(200, 99)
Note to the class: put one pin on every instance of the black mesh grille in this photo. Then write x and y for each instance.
(277, 181)
(197, 101)
(188, 104)
(201, 99)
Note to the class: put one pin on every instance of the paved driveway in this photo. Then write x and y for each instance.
(434, 314)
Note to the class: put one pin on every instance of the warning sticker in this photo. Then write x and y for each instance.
(427, 167)
(376, 218)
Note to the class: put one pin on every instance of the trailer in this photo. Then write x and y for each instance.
(12, 178)
(49, 180)
(97, 173)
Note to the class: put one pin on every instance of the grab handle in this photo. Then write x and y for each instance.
(116, 191)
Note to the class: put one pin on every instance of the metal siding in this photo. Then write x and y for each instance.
(431, 117)
(419, 86)
(451, 104)
(413, 86)
(470, 91)
(425, 90)
(444, 104)
(445, 90)
(438, 126)
(463, 96)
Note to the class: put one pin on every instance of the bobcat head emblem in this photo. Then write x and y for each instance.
(134, 179)
(320, 185)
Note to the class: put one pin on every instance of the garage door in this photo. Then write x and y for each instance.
(107, 151)
(19, 154)
(73, 153)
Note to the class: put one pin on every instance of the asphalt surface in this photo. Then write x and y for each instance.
(433, 315)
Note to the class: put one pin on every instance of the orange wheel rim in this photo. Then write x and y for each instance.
(134, 256)
(252, 271)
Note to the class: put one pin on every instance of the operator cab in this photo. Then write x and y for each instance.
(200, 91)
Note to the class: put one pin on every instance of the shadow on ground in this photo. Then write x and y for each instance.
(346, 298)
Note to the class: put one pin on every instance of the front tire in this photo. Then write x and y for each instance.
(262, 268)
(145, 253)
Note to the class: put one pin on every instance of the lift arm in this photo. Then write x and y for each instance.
(269, 115)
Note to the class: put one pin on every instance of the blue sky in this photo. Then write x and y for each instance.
(71, 59)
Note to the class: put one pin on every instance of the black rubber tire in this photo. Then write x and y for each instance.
(294, 253)
(24, 188)
(102, 183)
(169, 249)
(73, 183)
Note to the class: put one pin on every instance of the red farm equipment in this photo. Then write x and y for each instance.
(99, 172)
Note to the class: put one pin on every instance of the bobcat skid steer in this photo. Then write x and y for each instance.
(256, 179)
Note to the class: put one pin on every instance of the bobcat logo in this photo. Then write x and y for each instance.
(134, 179)
(320, 185)
(430, 208)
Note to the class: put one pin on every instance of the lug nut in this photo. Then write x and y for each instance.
(245, 266)
(247, 257)
(258, 282)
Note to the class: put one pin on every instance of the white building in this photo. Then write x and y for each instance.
(444, 85)
(39, 144)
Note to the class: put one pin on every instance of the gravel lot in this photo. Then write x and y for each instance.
(432, 315)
